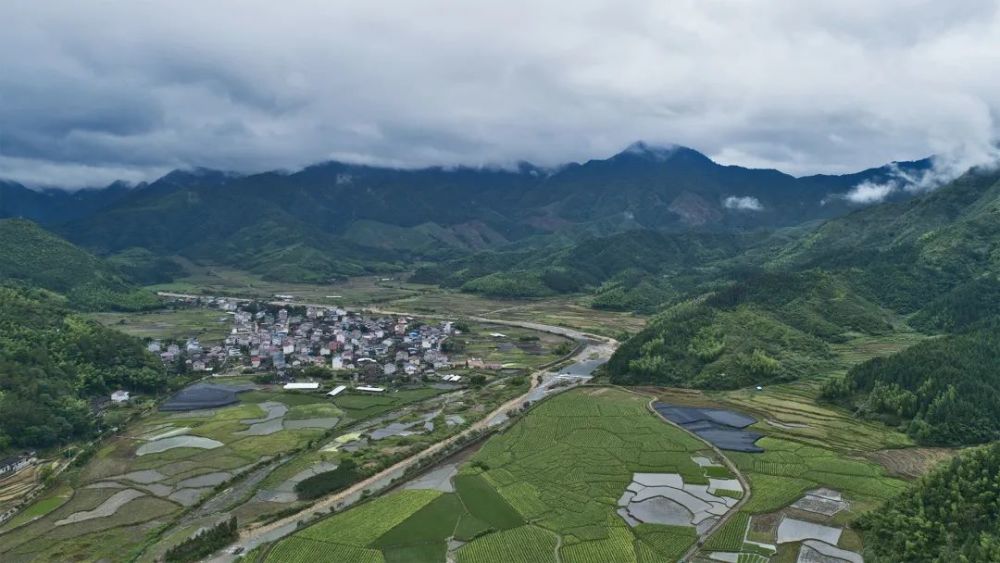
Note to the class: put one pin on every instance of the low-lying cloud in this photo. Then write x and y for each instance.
(744, 203)
(944, 168)
(90, 89)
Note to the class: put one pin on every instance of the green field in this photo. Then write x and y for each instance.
(222, 280)
(118, 465)
(208, 325)
(516, 501)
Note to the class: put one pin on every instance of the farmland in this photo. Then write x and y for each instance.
(207, 325)
(513, 500)
(811, 446)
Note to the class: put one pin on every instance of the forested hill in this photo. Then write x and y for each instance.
(626, 271)
(935, 257)
(907, 254)
(34, 257)
(944, 391)
(342, 219)
(952, 514)
(763, 328)
(52, 362)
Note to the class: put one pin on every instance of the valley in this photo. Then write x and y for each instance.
(626, 395)
(229, 468)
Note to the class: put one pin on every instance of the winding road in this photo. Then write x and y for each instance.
(591, 347)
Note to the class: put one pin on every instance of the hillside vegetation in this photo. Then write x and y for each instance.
(52, 362)
(626, 271)
(943, 391)
(935, 257)
(34, 257)
(950, 515)
(767, 327)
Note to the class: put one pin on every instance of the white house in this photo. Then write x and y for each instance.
(120, 396)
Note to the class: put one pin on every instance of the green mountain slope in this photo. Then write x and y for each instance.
(765, 328)
(950, 515)
(942, 391)
(626, 271)
(51, 362)
(907, 254)
(439, 213)
(34, 257)
(936, 256)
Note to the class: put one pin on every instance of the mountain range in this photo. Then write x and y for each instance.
(336, 219)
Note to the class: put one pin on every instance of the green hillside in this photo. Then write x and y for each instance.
(943, 391)
(34, 257)
(950, 515)
(52, 361)
(764, 328)
(907, 254)
(634, 270)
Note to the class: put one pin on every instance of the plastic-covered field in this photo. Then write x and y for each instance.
(202, 396)
(721, 427)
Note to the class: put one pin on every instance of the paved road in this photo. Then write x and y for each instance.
(594, 347)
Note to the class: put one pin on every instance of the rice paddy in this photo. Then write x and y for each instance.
(514, 499)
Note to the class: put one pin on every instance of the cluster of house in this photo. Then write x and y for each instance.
(374, 348)
(194, 355)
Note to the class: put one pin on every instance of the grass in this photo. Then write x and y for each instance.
(666, 543)
(517, 494)
(786, 469)
(221, 280)
(358, 406)
(730, 536)
(208, 325)
(526, 544)
(434, 523)
(617, 547)
(483, 502)
(366, 523)
(45, 505)
(296, 549)
(568, 311)
(315, 410)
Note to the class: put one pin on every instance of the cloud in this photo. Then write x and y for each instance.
(868, 192)
(805, 87)
(745, 203)
(944, 168)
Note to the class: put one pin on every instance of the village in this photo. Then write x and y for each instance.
(283, 341)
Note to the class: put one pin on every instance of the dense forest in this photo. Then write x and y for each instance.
(951, 515)
(52, 362)
(943, 391)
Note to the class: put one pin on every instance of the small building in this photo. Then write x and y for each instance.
(120, 396)
(337, 391)
(14, 464)
(305, 386)
(366, 389)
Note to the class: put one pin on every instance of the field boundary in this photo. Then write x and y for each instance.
(729, 465)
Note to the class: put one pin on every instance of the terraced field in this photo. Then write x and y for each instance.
(515, 500)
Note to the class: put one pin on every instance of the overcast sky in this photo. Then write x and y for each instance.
(96, 91)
